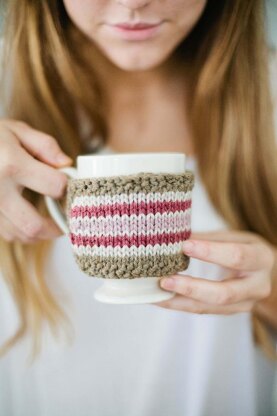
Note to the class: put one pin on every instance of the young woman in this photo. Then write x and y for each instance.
(135, 76)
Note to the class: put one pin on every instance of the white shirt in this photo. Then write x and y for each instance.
(136, 360)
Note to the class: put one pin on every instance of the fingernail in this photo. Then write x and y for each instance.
(167, 283)
(62, 158)
(188, 246)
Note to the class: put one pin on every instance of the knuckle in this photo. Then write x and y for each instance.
(225, 296)
(33, 229)
(266, 291)
(8, 165)
(238, 257)
(49, 144)
(206, 249)
(187, 289)
(10, 169)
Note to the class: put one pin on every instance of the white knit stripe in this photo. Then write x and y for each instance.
(92, 200)
(157, 249)
(116, 225)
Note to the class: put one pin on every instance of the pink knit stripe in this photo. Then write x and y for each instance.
(112, 225)
(129, 209)
(129, 241)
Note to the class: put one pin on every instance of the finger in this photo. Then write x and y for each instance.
(226, 235)
(236, 256)
(40, 177)
(25, 217)
(218, 293)
(39, 144)
(180, 303)
(10, 232)
(7, 230)
(28, 172)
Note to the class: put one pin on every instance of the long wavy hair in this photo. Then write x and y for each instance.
(51, 75)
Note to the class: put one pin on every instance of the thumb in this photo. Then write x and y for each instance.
(228, 235)
(209, 235)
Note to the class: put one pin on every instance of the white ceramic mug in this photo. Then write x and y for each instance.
(122, 291)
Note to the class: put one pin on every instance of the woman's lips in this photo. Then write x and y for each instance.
(139, 31)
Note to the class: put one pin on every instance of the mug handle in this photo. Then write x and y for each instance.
(53, 206)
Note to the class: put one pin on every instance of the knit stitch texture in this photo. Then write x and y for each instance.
(130, 226)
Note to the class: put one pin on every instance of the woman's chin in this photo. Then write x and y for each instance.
(135, 63)
(131, 67)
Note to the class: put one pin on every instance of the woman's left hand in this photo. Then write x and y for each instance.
(249, 259)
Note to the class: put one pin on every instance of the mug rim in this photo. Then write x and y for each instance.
(131, 154)
(128, 163)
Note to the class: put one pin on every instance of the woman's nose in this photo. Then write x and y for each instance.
(134, 4)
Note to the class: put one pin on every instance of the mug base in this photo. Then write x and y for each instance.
(132, 291)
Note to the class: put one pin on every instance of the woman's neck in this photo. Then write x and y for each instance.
(146, 110)
(117, 78)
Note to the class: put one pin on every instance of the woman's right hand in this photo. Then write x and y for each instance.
(28, 159)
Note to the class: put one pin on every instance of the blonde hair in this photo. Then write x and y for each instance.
(231, 117)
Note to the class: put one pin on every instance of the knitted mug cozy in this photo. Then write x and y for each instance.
(130, 226)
